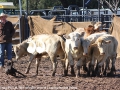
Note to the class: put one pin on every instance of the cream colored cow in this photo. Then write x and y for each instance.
(90, 40)
(106, 48)
(74, 51)
(42, 45)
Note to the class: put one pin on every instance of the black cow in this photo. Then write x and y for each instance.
(9, 70)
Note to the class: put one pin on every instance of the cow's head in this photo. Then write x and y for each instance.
(19, 51)
(99, 26)
(74, 41)
(90, 29)
(102, 45)
(86, 45)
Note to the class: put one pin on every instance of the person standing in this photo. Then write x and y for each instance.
(6, 39)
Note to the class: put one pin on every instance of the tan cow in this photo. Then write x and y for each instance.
(44, 44)
(86, 31)
(106, 48)
(90, 40)
(97, 27)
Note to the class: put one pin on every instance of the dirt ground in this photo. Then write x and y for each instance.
(44, 80)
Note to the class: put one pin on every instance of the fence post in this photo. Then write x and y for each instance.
(102, 18)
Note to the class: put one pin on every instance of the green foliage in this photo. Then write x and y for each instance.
(48, 3)
(35, 4)
(40, 4)
(44, 4)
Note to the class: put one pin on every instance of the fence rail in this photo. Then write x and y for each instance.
(71, 14)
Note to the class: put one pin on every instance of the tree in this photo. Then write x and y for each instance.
(40, 4)
(111, 4)
(93, 4)
(43, 4)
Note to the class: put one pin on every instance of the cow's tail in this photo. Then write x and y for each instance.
(115, 46)
(63, 47)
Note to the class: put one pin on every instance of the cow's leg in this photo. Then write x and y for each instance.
(37, 64)
(108, 62)
(102, 69)
(113, 71)
(78, 71)
(85, 67)
(91, 67)
(91, 71)
(103, 60)
(98, 70)
(71, 62)
(30, 61)
(78, 68)
(65, 63)
(106, 66)
(66, 67)
(72, 70)
(102, 63)
(54, 62)
(113, 64)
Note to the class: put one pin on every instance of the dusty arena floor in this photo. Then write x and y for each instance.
(44, 80)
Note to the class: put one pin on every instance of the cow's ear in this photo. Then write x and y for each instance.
(104, 25)
(85, 29)
(82, 34)
(93, 22)
(66, 36)
(107, 42)
(17, 46)
(94, 45)
(14, 46)
(29, 39)
(89, 26)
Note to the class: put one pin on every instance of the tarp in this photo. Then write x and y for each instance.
(115, 31)
(39, 25)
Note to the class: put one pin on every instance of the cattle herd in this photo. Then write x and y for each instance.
(92, 48)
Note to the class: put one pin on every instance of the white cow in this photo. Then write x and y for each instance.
(71, 40)
(90, 40)
(98, 26)
(106, 49)
(73, 50)
(40, 45)
(20, 51)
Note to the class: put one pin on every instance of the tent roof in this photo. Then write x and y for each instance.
(7, 5)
